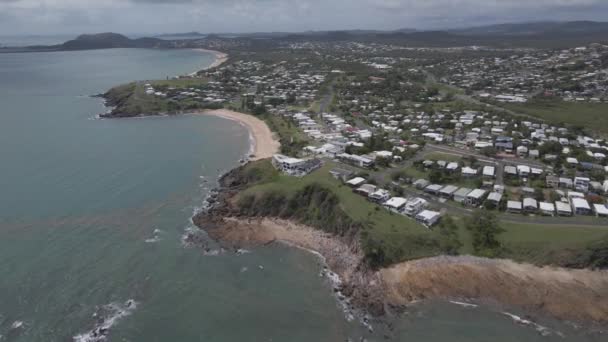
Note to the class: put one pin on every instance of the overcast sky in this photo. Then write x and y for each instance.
(162, 16)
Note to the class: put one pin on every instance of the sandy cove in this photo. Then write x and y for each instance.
(220, 58)
(572, 295)
(263, 139)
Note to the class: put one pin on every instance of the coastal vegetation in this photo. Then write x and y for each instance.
(323, 202)
(129, 100)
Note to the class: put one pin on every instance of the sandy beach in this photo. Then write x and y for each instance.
(220, 58)
(264, 143)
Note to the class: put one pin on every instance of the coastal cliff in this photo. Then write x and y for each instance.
(313, 220)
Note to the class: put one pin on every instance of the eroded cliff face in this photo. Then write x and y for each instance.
(567, 294)
(576, 295)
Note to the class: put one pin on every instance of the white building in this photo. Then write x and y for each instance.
(489, 171)
(428, 217)
(461, 195)
(356, 182)
(580, 206)
(530, 205)
(414, 206)
(514, 207)
(547, 208)
(475, 197)
(295, 166)
(563, 209)
(600, 210)
(396, 204)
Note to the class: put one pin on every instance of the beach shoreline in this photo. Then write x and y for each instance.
(263, 142)
(220, 58)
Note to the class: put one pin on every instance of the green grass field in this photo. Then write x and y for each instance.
(442, 156)
(544, 244)
(179, 83)
(590, 115)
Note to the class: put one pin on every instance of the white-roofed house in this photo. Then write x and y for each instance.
(448, 191)
(380, 196)
(428, 217)
(396, 204)
(461, 194)
(468, 172)
(294, 166)
(495, 198)
(530, 205)
(580, 206)
(600, 210)
(356, 182)
(523, 170)
(547, 208)
(433, 189)
(489, 171)
(514, 207)
(475, 197)
(414, 206)
(563, 209)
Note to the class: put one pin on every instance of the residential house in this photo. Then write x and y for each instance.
(580, 206)
(600, 210)
(547, 209)
(414, 206)
(475, 197)
(428, 217)
(380, 196)
(396, 204)
(530, 205)
(448, 191)
(294, 166)
(514, 207)
(461, 194)
(563, 209)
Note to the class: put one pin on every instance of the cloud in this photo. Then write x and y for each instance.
(152, 16)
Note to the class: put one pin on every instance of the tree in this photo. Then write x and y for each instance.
(489, 151)
(436, 177)
(485, 228)
(383, 162)
(449, 241)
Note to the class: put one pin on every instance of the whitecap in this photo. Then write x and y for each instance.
(17, 325)
(543, 331)
(110, 315)
(463, 304)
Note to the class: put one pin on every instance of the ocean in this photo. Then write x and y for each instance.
(93, 212)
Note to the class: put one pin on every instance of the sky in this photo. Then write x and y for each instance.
(19, 17)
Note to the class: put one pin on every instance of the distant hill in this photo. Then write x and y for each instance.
(180, 35)
(108, 41)
(536, 28)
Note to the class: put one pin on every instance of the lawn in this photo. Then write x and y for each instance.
(442, 156)
(591, 115)
(544, 243)
(179, 83)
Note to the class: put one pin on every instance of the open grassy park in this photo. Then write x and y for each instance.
(593, 116)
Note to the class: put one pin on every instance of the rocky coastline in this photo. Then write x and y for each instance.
(570, 295)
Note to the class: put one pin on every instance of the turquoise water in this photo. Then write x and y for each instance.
(80, 200)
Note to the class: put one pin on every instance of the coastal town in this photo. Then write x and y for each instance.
(380, 154)
(409, 144)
